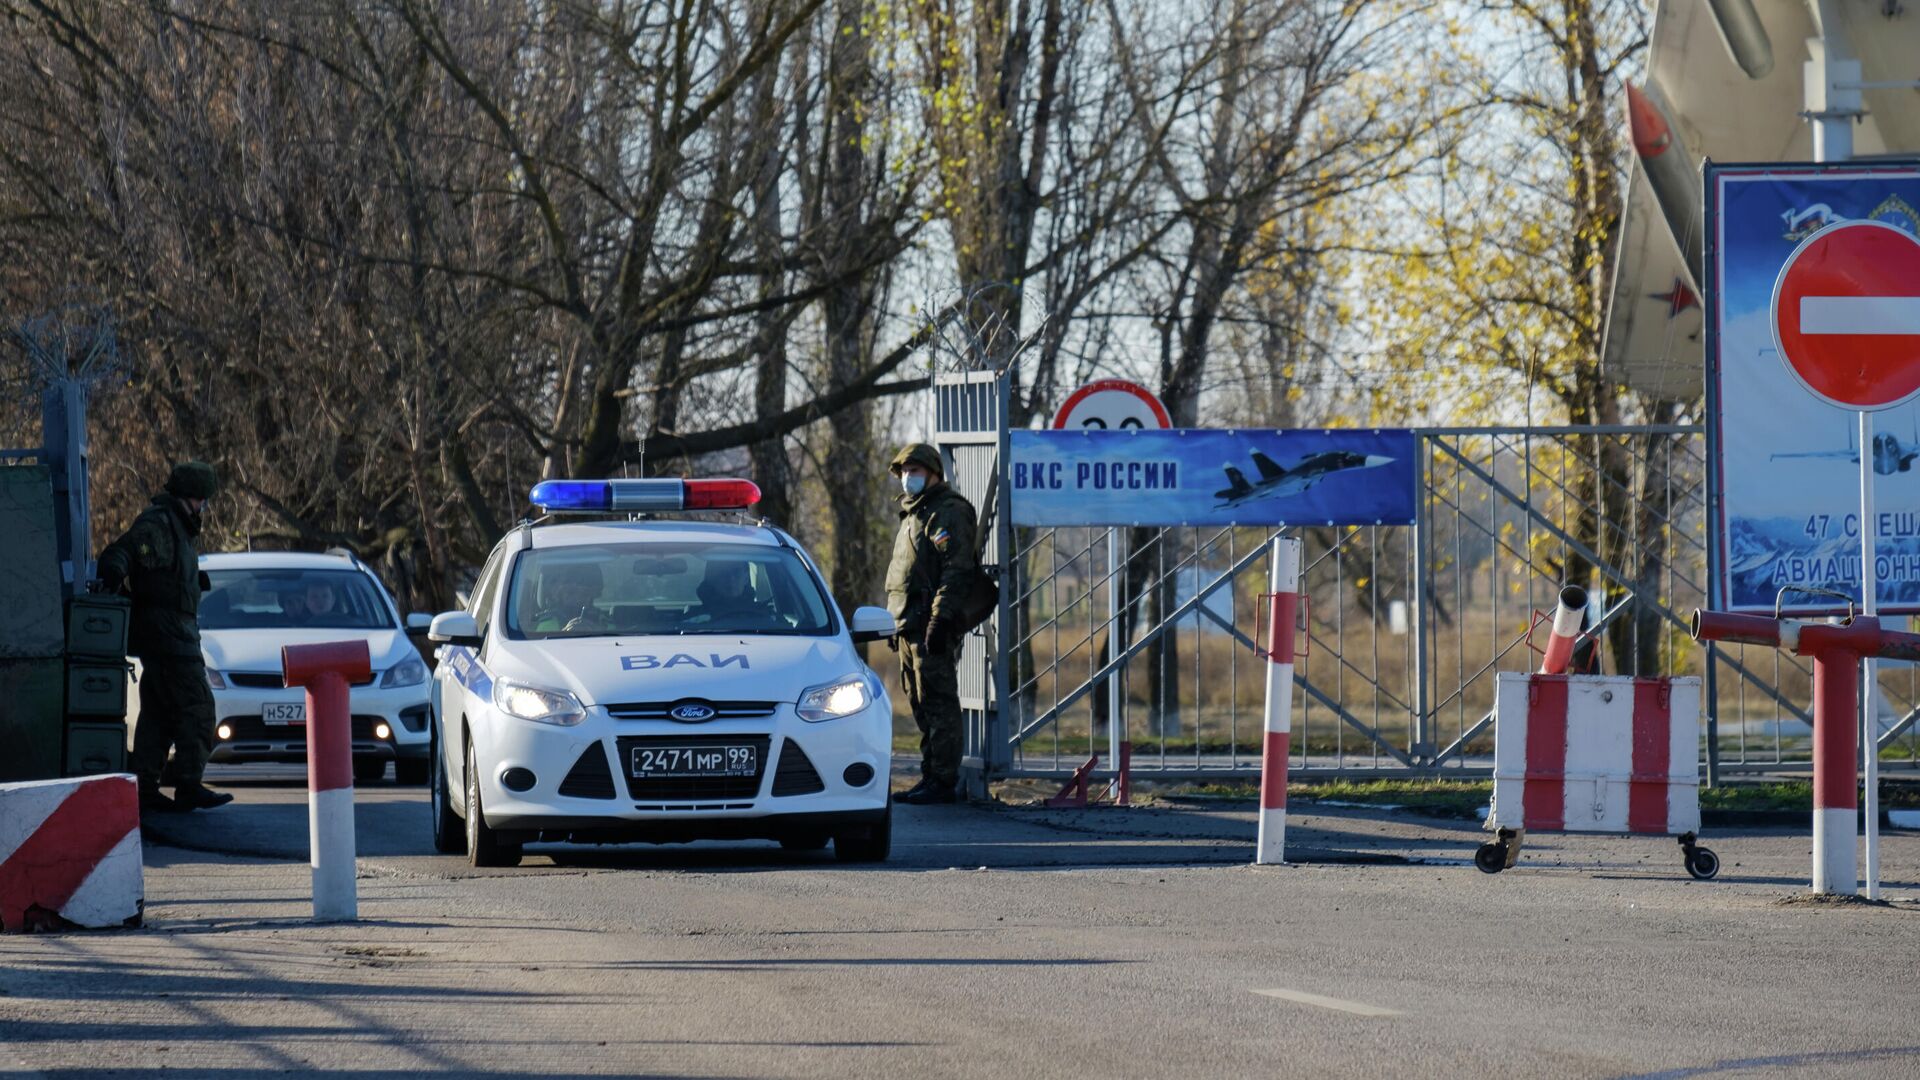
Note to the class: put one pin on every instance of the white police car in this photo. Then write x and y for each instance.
(656, 679)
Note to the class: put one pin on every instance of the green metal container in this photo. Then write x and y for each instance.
(97, 626)
(32, 624)
(95, 748)
(30, 718)
(96, 689)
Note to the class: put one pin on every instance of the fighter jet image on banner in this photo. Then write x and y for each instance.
(1890, 455)
(1276, 482)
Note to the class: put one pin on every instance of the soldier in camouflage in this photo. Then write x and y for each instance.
(158, 564)
(927, 582)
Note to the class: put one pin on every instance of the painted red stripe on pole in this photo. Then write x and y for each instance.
(1273, 772)
(1543, 801)
(1284, 612)
(1836, 689)
(64, 851)
(329, 733)
(1652, 747)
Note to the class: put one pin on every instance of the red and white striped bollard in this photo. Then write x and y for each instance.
(1285, 588)
(326, 671)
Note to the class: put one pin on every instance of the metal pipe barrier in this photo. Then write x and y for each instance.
(327, 670)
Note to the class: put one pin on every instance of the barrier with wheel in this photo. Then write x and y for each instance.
(1597, 754)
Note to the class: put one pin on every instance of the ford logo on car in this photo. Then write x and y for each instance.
(692, 712)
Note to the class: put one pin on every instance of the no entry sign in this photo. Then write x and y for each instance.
(1846, 315)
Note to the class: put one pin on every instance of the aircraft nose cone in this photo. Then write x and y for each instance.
(1378, 459)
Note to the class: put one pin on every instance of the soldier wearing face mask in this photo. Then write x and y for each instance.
(927, 583)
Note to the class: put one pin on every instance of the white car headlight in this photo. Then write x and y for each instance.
(843, 698)
(536, 704)
(409, 672)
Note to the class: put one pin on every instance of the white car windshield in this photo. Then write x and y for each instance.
(601, 590)
(274, 598)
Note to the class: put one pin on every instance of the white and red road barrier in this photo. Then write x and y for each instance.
(1568, 619)
(70, 854)
(1285, 607)
(1612, 754)
(1837, 650)
(326, 671)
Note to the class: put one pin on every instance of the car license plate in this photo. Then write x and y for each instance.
(656, 761)
(287, 712)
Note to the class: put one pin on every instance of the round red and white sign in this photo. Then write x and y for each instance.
(1846, 315)
(1112, 404)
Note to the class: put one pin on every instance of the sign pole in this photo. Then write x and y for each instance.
(1869, 685)
(1116, 711)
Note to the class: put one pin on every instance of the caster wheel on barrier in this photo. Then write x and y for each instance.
(1702, 863)
(1490, 858)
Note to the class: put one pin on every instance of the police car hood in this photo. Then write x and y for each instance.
(259, 649)
(606, 671)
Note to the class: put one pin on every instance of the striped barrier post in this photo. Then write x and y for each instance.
(1285, 598)
(326, 671)
(1568, 618)
(70, 854)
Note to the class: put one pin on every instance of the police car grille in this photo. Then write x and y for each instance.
(722, 710)
(693, 787)
(795, 774)
(589, 778)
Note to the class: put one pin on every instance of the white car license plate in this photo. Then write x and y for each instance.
(657, 761)
(288, 712)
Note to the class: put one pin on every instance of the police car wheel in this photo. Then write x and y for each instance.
(866, 845)
(484, 846)
(803, 843)
(449, 836)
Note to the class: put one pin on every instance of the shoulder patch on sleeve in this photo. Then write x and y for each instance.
(940, 536)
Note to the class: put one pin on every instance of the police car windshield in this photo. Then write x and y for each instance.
(280, 599)
(602, 590)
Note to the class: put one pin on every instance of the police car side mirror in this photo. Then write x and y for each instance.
(872, 624)
(454, 628)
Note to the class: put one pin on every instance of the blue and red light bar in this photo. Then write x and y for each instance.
(640, 496)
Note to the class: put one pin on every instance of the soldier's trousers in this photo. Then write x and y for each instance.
(932, 683)
(176, 711)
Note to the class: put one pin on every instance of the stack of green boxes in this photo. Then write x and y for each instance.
(96, 685)
(32, 631)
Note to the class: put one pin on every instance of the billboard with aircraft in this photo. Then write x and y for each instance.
(1211, 477)
(1788, 480)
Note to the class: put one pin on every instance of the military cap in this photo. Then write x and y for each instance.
(919, 454)
(193, 480)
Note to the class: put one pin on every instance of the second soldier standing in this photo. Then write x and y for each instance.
(927, 583)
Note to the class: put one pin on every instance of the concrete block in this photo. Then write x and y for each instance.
(70, 854)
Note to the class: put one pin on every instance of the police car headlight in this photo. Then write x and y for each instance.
(410, 672)
(843, 698)
(536, 704)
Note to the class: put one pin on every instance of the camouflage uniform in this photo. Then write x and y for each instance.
(158, 563)
(927, 581)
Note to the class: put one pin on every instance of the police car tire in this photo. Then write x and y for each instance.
(449, 832)
(484, 846)
(866, 845)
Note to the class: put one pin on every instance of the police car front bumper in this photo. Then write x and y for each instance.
(580, 783)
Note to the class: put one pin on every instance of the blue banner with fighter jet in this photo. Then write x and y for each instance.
(1205, 476)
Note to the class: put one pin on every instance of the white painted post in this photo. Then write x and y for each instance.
(1285, 586)
(1116, 712)
(1869, 685)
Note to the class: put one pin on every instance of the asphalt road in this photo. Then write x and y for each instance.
(999, 942)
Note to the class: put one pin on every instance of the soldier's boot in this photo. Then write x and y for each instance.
(153, 802)
(909, 794)
(200, 797)
(935, 793)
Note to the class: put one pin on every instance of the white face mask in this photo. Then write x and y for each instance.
(911, 484)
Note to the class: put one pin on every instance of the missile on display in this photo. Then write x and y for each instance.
(1744, 36)
(1671, 173)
